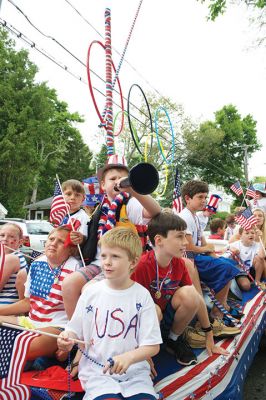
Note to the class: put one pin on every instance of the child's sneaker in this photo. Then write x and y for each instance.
(222, 331)
(181, 350)
(262, 285)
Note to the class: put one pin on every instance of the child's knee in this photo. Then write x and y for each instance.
(187, 296)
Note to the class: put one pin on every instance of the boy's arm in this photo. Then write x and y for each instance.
(204, 248)
(20, 307)
(120, 363)
(151, 207)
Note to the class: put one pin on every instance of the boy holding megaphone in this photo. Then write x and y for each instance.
(124, 204)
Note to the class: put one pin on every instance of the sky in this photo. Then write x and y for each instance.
(173, 49)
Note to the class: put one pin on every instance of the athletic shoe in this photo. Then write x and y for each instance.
(219, 329)
(196, 339)
(181, 350)
(262, 285)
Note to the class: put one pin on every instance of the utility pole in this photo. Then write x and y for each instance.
(246, 164)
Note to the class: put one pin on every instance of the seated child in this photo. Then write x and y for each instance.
(118, 208)
(11, 236)
(251, 255)
(163, 272)
(230, 226)
(216, 273)
(217, 227)
(117, 318)
(43, 300)
(74, 195)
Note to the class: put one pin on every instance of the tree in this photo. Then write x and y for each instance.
(37, 134)
(218, 7)
(216, 149)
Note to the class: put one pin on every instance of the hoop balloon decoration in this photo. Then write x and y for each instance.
(157, 135)
(91, 88)
(132, 130)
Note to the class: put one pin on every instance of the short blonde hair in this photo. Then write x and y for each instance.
(126, 239)
(73, 249)
(14, 225)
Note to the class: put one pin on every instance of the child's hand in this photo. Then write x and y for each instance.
(117, 365)
(258, 233)
(76, 237)
(65, 341)
(234, 251)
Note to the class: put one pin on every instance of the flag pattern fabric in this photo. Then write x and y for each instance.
(236, 188)
(93, 191)
(251, 192)
(59, 207)
(2, 259)
(45, 290)
(213, 203)
(14, 346)
(246, 219)
(177, 198)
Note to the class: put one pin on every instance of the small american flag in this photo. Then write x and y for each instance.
(14, 346)
(59, 207)
(2, 259)
(177, 199)
(237, 189)
(246, 219)
(251, 192)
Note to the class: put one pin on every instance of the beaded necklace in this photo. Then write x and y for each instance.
(56, 272)
(108, 213)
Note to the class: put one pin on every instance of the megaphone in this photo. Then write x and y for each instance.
(143, 178)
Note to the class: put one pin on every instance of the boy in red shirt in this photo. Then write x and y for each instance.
(163, 272)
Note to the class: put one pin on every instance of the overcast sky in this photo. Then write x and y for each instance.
(200, 64)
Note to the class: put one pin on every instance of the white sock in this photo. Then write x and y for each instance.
(173, 336)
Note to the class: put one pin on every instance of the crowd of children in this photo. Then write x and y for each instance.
(98, 283)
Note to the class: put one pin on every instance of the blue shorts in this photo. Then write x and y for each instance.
(167, 321)
(215, 272)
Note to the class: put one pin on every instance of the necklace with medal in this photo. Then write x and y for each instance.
(57, 273)
(158, 293)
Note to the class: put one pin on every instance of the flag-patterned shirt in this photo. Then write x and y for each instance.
(44, 288)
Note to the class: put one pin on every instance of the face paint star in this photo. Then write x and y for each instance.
(138, 306)
(89, 309)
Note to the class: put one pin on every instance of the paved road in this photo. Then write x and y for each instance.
(255, 385)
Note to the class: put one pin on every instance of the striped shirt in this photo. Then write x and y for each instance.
(44, 289)
(9, 294)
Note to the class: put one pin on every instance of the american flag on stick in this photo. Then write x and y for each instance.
(59, 207)
(237, 189)
(2, 259)
(246, 219)
(14, 346)
(177, 198)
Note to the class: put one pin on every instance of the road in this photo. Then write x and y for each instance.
(255, 384)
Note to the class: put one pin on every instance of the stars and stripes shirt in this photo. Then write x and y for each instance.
(44, 289)
(9, 294)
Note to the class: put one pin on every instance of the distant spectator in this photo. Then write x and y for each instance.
(230, 226)
(260, 201)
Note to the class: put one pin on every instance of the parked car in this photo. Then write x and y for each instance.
(35, 233)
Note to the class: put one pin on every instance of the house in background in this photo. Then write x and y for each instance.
(3, 211)
(40, 209)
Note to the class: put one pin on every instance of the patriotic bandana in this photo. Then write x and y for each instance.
(108, 212)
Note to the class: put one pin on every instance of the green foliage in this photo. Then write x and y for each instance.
(218, 7)
(221, 214)
(37, 134)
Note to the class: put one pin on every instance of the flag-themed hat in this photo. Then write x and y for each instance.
(93, 191)
(114, 161)
(213, 203)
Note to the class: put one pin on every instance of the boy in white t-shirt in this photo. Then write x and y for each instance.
(251, 256)
(117, 319)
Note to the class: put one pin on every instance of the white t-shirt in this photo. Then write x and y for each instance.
(203, 220)
(193, 225)
(114, 322)
(81, 216)
(246, 253)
